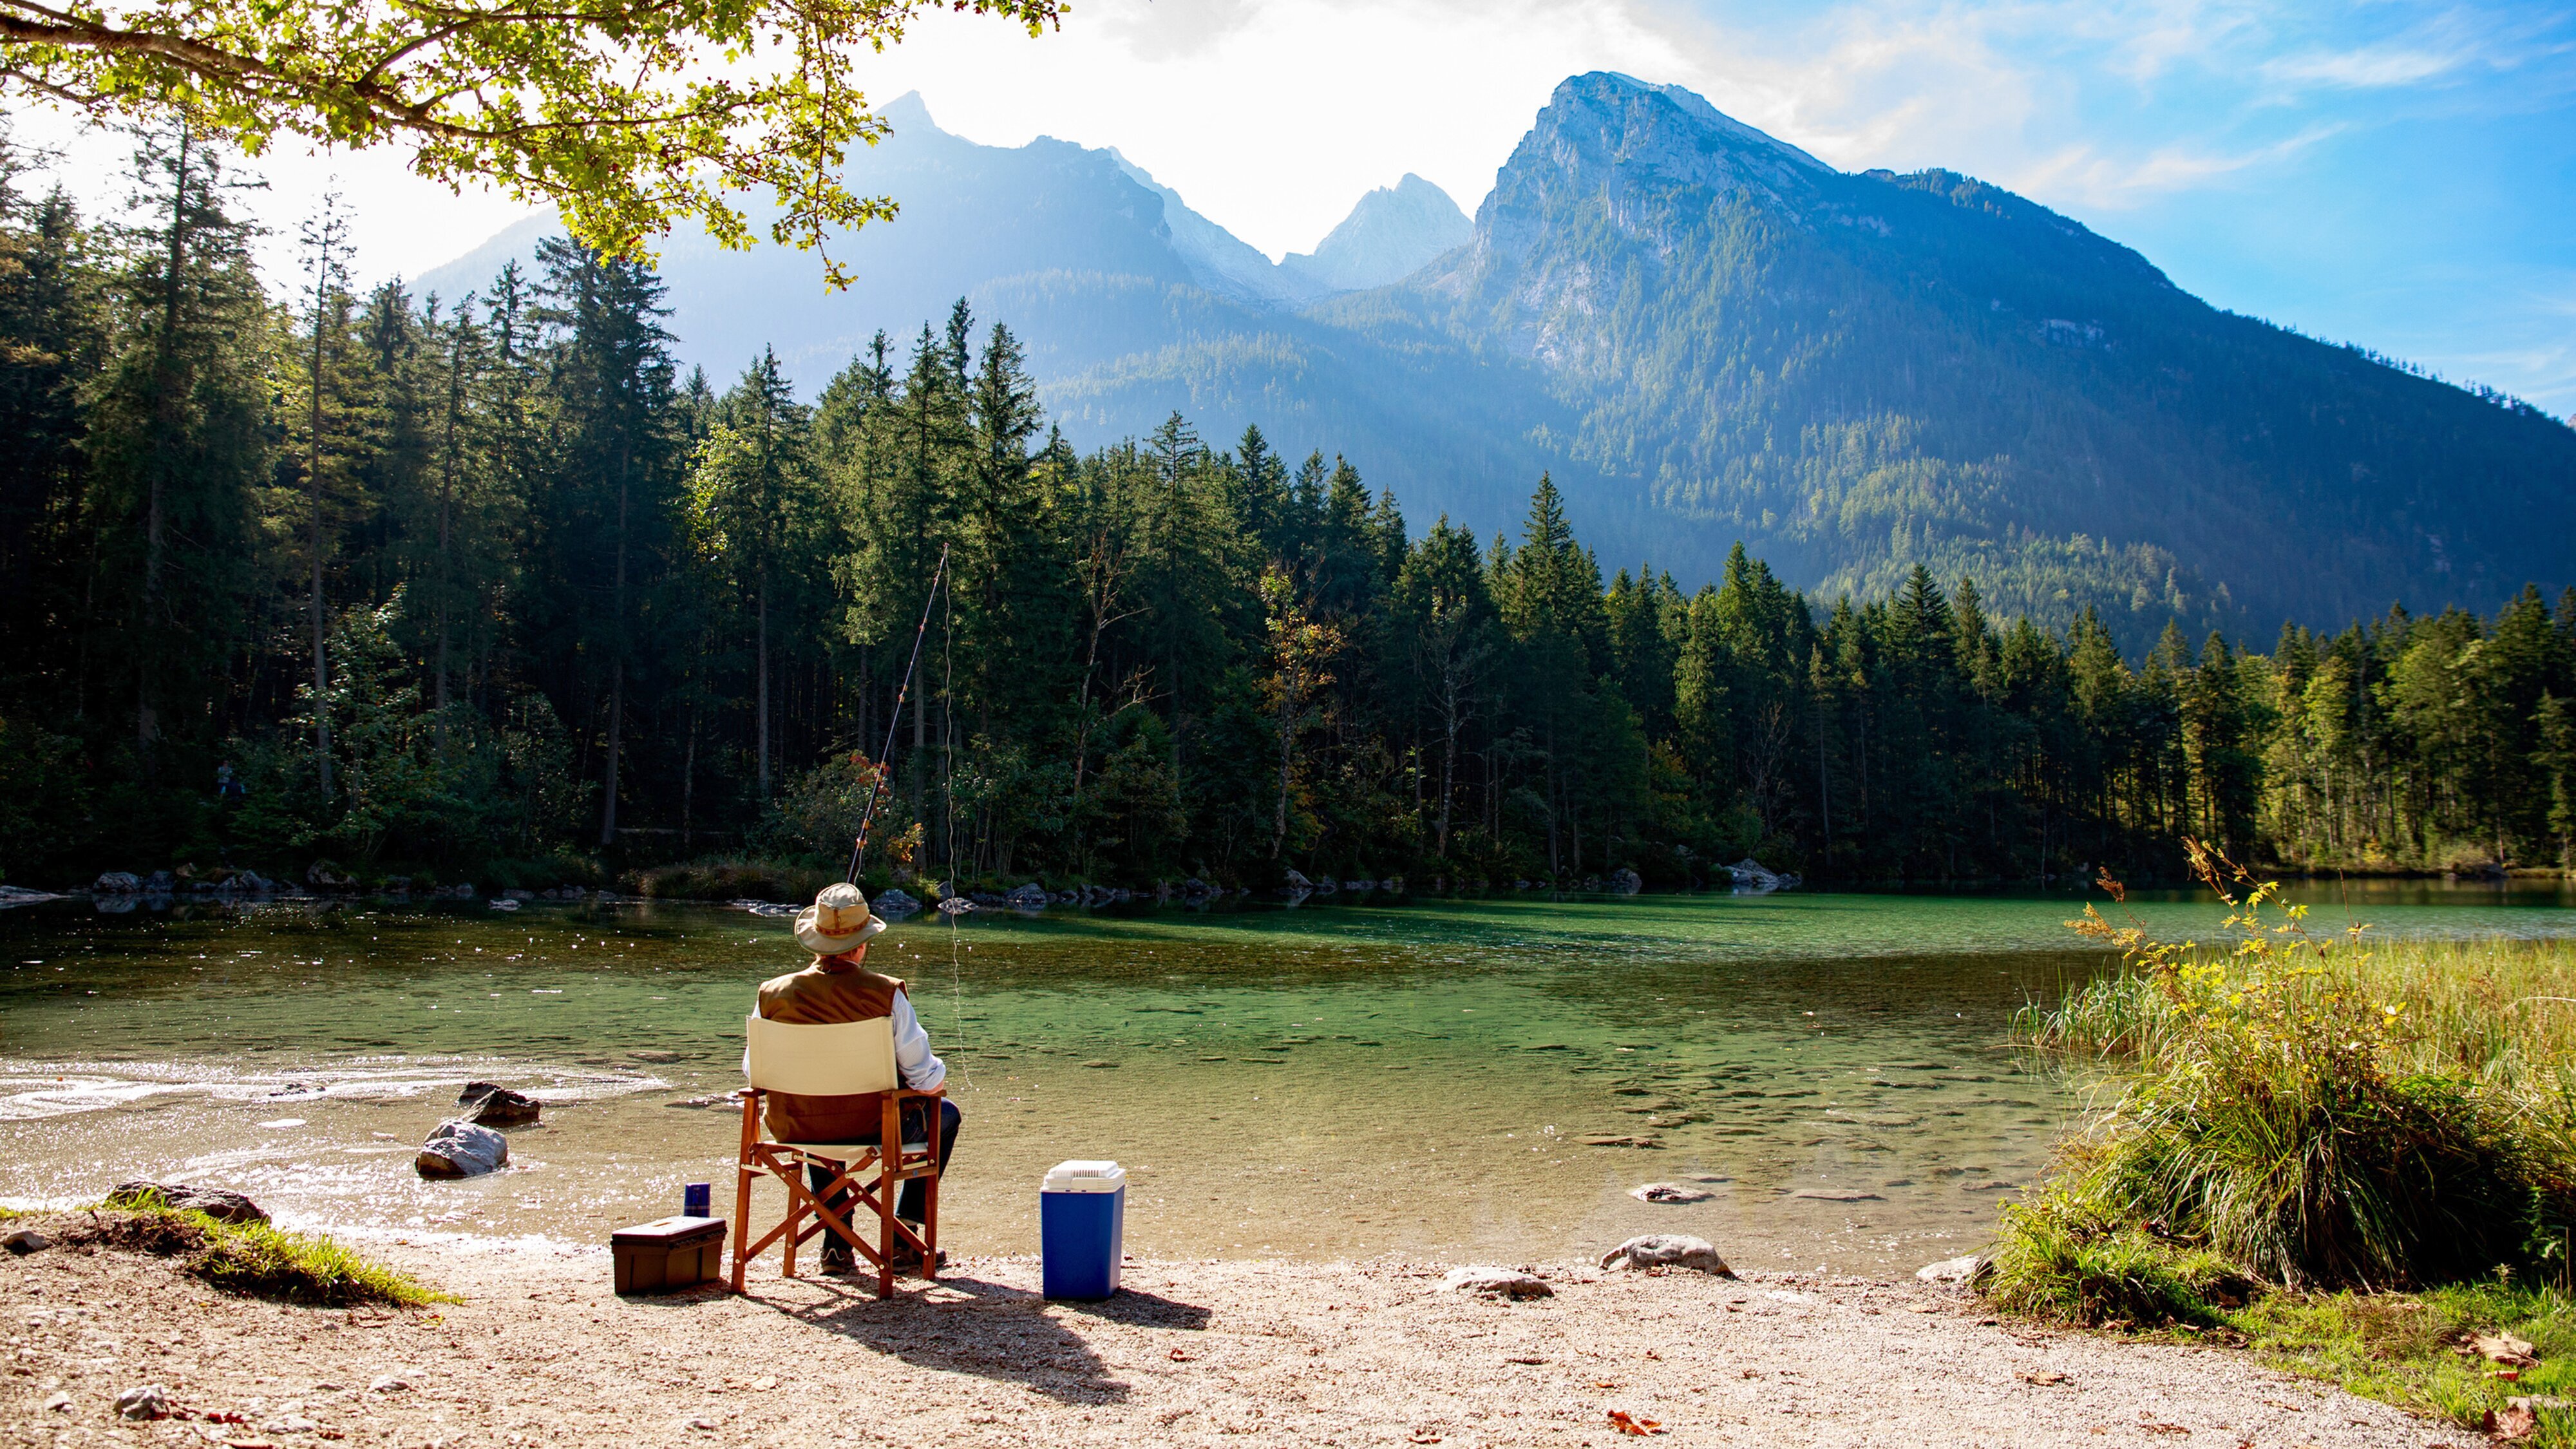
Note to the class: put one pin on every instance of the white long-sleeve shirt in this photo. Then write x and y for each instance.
(921, 1071)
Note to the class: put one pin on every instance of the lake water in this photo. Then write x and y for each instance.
(1412, 1079)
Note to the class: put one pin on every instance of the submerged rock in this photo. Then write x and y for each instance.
(222, 1204)
(1492, 1282)
(1668, 1250)
(458, 1148)
(1670, 1192)
(491, 1105)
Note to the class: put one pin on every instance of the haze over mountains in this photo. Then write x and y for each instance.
(1705, 335)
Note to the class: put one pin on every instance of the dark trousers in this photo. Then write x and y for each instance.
(907, 1204)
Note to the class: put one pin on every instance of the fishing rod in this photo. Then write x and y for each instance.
(895, 721)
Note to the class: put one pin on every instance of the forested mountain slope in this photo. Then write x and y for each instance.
(1706, 335)
(1856, 373)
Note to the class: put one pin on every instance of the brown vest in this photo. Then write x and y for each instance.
(833, 989)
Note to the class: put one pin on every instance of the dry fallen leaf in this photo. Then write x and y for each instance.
(2503, 1348)
(2513, 1421)
(1620, 1420)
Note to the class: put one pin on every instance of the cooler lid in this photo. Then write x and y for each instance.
(670, 1232)
(1084, 1176)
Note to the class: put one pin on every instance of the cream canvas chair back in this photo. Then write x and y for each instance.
(838, 1060)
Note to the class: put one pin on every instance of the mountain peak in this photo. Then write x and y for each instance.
(907, 112)
(1391, 234)
(1596, 87)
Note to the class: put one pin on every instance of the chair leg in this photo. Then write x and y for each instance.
(930, 1229)
(886, 1189)
(742, 1171)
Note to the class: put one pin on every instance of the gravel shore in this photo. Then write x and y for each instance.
(1228, 1352)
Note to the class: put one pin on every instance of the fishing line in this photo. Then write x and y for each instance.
(948, 753)
(894, 721)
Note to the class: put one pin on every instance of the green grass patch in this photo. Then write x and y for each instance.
(2053, 1265)
(2404, 1348)
(255, 1259)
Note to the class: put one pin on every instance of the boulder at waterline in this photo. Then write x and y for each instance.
(117, 883)
(1948, 1270)
(222, 1204)
(491, 1105)
(458, 1148)
(1668, 1250)
(1493, 1282)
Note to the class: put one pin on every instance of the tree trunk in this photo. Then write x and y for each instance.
(313, 495)
(617, 677)
(761, 712)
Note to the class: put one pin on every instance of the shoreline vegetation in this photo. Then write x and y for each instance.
(484, 589)
(2356, 1156)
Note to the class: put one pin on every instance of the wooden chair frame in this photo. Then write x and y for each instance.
(847, 1161)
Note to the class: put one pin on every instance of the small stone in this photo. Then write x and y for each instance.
(289, 1424)
(58, 1401)
(1948, 1270)
(1672, 1192)
(501, 1107)
(1668, 1250)
(703, 1422)
(1836, 1194)
(1496, 1283)
(388, 1384)
(25, 1241)
(144, 1401)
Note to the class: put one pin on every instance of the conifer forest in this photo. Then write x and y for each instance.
(482, 587)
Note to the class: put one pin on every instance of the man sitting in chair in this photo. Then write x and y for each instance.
(839, 987)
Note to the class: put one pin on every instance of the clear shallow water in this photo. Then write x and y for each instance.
(1411, 1079)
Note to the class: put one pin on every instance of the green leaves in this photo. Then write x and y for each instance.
(627, 115)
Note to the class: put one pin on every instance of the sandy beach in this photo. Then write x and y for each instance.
(1227, 1352)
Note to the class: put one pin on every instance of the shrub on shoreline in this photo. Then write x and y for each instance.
(2297, 1110)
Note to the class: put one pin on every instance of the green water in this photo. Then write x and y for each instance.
(1414, 1080)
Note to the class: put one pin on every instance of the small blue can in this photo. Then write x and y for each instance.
(1082, 1220)
(697, 1200)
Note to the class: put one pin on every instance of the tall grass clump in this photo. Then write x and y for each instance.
(2311, 1112)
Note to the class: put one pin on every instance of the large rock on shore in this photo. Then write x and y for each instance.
(458, 1148)
(222, 1204)
(1668, 1250)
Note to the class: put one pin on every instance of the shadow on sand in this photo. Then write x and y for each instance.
(994, 1331)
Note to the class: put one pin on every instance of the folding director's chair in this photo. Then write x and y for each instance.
(841, 1059)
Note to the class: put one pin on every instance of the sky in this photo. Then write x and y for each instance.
(2395, 173)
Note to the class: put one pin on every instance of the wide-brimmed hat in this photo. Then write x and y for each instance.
(837, 921)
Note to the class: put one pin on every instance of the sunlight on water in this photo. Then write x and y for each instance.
(1414, 1079)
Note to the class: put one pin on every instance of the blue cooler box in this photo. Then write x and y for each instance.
(1082, 1220)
